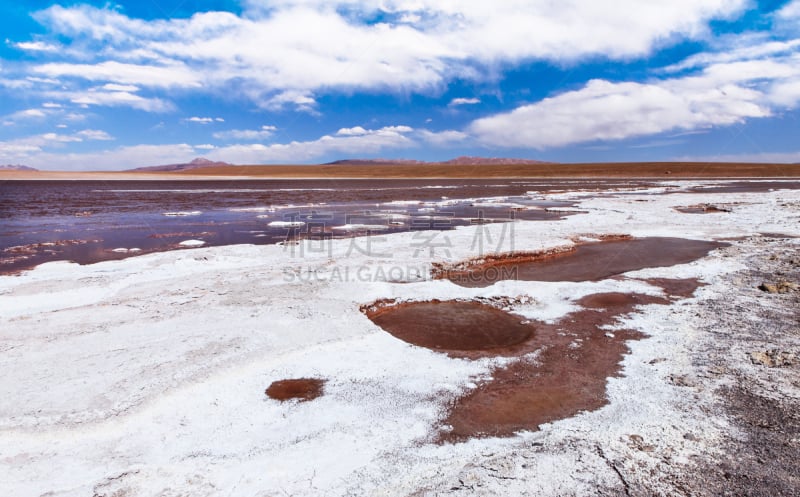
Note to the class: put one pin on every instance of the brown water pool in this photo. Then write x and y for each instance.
(585, 262)
(302, 389)
(560, 369)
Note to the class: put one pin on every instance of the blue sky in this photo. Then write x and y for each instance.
(113, 85)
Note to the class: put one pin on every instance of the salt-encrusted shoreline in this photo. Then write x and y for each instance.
(147, 375)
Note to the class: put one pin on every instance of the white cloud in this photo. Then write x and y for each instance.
(31, 150)
(20, 148)
(113, 159)
(117, 87)
(282, 54)
(354, 131)
(747, 81)
(29, 114)
(443, 138)
(176, 75)
(43, 81)
(246, 134)
(301, 100)
(348, 145)
(113, 99)
(735, 48)
(15, 84)
(36, 46)
(613, 111)
(464, 101)
(790, 11)
(75, 117)
(51, 105)
(785, 93)
(94, 134)
(10, 152)
(200, 120)
(55, 138)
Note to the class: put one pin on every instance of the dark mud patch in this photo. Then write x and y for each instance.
(302, 389)
(747, 186)
(702, 209)
(675, 287)
(557, 370)
(778, 235)
(584, 262)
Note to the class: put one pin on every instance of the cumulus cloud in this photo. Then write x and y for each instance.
(747, 47)
(613, 111)
(354, 131)
(94, 134)
(204, 120)
(10, 151)
(246, 134)
(418, 46)
(112, 159)
(36, 46)
(32, 151)
(29, 114)
(50, 139)
(118, 87)
(34, 147)
(721, 88)
(790, 11)
(352, 142)
(113, 99)
(299, 100)
(464, 101)
(167, 76)
(443, 138)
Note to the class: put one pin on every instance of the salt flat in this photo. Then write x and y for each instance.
(146, 376)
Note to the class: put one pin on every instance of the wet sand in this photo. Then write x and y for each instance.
(583, 262)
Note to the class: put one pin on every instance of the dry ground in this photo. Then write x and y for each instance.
(661, 170)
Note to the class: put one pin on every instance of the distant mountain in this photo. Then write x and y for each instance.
(458, 161)
(474, 161)
(195, 164)
(367, 162)
(17, 167)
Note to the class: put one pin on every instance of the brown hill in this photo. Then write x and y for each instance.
(466, 160)
(458, 161)
(200, 162)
